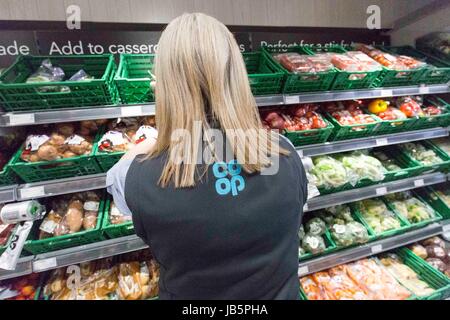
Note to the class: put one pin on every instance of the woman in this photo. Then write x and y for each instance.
(227, 228)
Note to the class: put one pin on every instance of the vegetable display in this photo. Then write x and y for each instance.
(312, 240)
(296, 118)
(363, 166)
(299, 63)
(422, 154)
(388, 163)
(444, 195)
(70, 214)
(331, 173)
(436, 252)
(133, 277)
(394, 62)
(410, 207)
(348, 113)
(365, 279)
(405, 275)
(22, 288)
(378, 216)
(443, 144)
(116, 217)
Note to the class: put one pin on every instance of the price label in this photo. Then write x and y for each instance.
(33, 192)
(44, 264)
(382, 142)
(424, 90)
(446, 228)
(376, 249)
(291, 99)
(381, 191)
(386, 93)
(302, 271)
(20, 119)
(419, 183)
(131, 111)
(305, 207)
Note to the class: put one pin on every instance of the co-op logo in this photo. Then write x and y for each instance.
(228, 178)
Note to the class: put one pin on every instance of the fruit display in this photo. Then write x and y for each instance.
(125, 132)
(348, 113)
(22, 288)
(377, 215)
(405, 275)
(66, 140)
(421, 154)
(116, 217)
(300, 63)
(390, 61)
(410, 207)
(70, 214)
(127, 278)
(295, 118)
(436, 252)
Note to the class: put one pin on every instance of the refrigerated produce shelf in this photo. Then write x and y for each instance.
(109, 112)
(375, 247)
(370, 142)
(374, 191)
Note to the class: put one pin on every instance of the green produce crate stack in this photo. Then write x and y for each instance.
(346, 80)
(441, 120)
(346, 132)
(133, 78)
(408, 168)
(16, 95)
(437, 70)
(264, 75)
(115, 230)
(307, 137)
(427, 273)
(35, 246)
(302, 82)
(56, 169)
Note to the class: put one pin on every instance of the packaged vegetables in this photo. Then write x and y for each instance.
(405, 275)
(390, 61)
(443, 144)
(70, 214)
(377, 215)
(129, 278)
(420, 153)
(296, 118)
(297, 63)
(436, 252)
(410, 207)
(349, 113)
(116, 217)
(311, 237)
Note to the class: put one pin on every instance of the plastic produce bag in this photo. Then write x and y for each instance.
(80, 75)
(378, 216)
(316, 227)
(8, 260)
(330, 173)
(313, 244)
(363, 166)
(358, 231)
(421, 154)
(341, 235)
(47, 73)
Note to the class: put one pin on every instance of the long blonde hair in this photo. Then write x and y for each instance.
(200, 73)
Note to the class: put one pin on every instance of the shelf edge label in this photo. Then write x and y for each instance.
(419, 183)
(446, 228)
(386, 93)
(32, 192)
(381, 191)
(302, 270)
(424, 90)
(19, 119)
(44, 264)
(381, 142)
(291, 99)
(131, 111)
(376, 249)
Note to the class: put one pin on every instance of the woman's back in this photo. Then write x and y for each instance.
(233, 239)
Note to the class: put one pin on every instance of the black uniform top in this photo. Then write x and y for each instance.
(232, 236)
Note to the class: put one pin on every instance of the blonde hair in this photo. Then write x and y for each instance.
(200, 73)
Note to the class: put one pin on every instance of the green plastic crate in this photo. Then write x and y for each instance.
(441, 120)
(133, 78)
(313, 136)
(408, 168)
(264, 75)
(56, 169)
(115, 230)
(35, 246)
(434, 278)
(106, 160)
(302, 82)
(421, 224)
(428, 168)
(7, 175)
(16, 95)
(330, 247)
(418, 259)
(346, 80)
(353, 131)
(404, 226)
(397, 125)
(437, 70)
